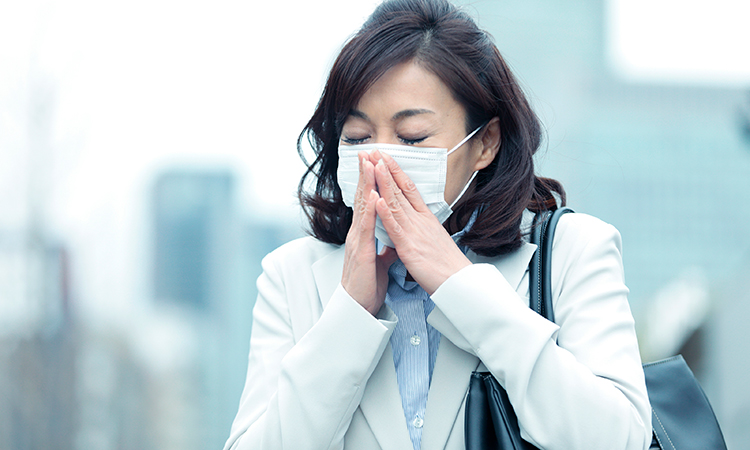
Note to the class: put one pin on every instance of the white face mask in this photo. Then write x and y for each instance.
(426, 167)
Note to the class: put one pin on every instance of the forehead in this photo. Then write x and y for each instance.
(408, 86)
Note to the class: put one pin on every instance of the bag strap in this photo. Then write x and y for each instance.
(540, 267)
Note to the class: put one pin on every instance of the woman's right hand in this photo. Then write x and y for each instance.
(365, 275)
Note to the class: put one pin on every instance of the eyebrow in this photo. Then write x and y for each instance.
(410, 113)
(399, 115)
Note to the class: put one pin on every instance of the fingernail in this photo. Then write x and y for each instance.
(381, 163)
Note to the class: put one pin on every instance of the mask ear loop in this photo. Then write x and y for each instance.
(463, 191)
(468, 183)
(465, 139)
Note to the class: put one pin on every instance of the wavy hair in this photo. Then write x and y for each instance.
(447, 42)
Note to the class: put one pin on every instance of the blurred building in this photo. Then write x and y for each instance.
(206, 261)
(38, 407)
(173, 379)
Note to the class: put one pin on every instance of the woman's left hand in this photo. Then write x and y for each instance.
(422, 244)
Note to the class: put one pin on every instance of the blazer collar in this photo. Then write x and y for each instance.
(513, 266)
(327, 270)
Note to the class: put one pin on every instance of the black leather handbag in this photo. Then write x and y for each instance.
(681, 414)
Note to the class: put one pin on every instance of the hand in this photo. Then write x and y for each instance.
(365, 275)
(424, 246)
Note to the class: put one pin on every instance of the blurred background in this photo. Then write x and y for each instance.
(148, 162)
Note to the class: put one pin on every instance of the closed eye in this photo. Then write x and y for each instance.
(408, 141)
(354, 141)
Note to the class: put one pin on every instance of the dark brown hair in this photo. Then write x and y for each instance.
(446, 41)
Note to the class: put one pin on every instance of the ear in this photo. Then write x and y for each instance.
(489, 141)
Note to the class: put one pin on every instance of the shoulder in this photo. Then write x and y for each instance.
(578, 231)
(299, 252)
(294, 280)
(586, 254)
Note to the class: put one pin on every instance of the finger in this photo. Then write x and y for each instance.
(362, 232)
(365, 184)
(367, 224)
(407, 187)
(391, 193)
(369, 174)
(359, 193)
(375, 156)
(391, 225)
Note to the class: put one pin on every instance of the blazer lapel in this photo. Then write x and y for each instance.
(327, 272)
(513, 266)
(381, 406)
(450, 382)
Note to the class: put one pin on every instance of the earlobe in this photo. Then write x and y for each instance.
(490, 141)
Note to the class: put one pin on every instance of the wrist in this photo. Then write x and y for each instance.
(451, 268)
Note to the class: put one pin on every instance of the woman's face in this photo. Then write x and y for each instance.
(409, 105)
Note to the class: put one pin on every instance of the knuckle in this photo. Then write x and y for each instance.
(398, 230)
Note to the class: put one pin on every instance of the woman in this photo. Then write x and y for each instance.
(391, 300)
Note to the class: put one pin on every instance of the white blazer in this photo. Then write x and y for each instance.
(321, 374)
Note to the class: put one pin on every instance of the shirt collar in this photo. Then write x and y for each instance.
(470, 223)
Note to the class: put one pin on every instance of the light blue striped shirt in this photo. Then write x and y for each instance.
(414, 343)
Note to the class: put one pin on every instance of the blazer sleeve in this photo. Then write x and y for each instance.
(302, 395)
(576, 383)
